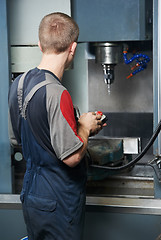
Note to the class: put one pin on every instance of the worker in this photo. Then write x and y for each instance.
(42, 120)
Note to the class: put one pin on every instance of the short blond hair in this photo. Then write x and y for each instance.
(56, 32)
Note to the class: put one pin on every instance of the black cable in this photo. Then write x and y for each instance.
(138, 157)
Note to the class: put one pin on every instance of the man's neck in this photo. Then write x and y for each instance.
(54, 63)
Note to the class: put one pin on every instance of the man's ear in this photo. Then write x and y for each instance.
(73, 48)
(39, 46)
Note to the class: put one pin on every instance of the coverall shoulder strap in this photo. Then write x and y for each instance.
(31, 94)
(20, 90)
(23, 105)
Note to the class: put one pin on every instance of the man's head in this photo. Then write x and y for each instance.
(56, 33)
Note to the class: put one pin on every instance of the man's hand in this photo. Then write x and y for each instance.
(91, 122)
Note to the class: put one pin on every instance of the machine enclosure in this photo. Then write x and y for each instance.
(128, 20)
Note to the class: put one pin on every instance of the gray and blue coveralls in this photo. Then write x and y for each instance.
(42, 120)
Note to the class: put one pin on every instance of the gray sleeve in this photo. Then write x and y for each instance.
(62, 123)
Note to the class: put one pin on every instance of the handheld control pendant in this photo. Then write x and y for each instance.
(103, 118)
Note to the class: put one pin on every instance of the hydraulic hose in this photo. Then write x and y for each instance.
(138, 157)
